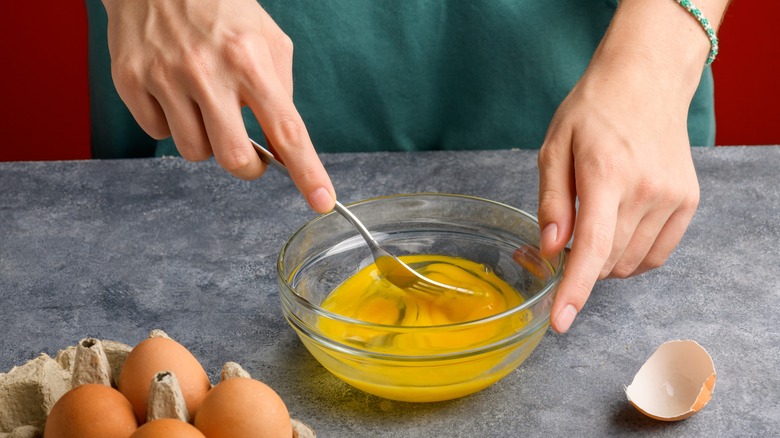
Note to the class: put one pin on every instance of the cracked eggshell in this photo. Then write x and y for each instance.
(674, 383)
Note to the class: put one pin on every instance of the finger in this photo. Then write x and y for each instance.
(666, 241)
(557, 195)
(280, 47)
(661, 229)
(143, 106)
(228, 137)
(284, 128)
(626, 231)
(595, 228)
(287, 133)
(186, 124)
(637, 248)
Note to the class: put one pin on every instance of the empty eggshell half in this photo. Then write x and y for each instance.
(675, 382)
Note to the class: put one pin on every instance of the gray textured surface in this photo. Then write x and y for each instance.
(112, 249)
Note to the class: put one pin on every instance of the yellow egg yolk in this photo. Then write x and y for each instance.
(367, 296)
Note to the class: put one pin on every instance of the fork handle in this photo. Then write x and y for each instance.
(369, 238)
(269, 159)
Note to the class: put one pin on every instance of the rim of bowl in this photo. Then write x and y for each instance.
(529, 302)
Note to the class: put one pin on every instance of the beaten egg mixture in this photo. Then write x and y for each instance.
(411, 324)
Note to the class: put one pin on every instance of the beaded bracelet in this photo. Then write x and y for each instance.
(696, 12)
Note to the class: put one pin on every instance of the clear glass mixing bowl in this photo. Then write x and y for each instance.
(461, 358)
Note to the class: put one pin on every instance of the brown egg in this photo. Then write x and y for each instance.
(167, 428)
(91, 411)
(242, 407)
(162, 354)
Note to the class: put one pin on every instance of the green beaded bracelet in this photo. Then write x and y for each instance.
(696, 12)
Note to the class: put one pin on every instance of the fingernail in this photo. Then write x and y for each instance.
(320, 200)
(565, 318)
(549, 235)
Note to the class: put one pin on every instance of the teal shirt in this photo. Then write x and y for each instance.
(411, 75)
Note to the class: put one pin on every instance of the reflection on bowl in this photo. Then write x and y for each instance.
(419, 363)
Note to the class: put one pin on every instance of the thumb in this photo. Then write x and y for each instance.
(557, 194)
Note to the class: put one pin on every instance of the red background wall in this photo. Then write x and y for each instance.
(44, 111)
(45, 97)
(747, 74)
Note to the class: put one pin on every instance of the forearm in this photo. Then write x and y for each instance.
(662, 39)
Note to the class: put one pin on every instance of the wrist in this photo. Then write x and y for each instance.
(706, 26)
(110, 5)
(660, 42)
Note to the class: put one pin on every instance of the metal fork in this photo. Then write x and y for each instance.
(393, 269)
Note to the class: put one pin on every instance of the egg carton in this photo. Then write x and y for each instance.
(29, 392)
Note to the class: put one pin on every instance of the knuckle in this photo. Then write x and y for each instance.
(691, 202)
(611, 169)
(549, 198)
(192, 147)
(198, 62)
(550, 205)
(158, 73)
(606, 272)
(579, 292)
(243, 51)
(548, 153)
(287, 131)
(156, 128)
(622, 270)
(190, 153)
(194, 61)
(306, 173)
(606, 167)
(653, 262)
(599, 241)
(649, 189)
(127, 75)
(658, 191)
(237, 49)
(283, 44)
(236, 161)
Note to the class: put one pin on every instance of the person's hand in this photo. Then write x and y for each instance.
(186, 67)
(618, 145)
(627, 160)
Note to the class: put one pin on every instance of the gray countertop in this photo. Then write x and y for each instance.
(113, 249)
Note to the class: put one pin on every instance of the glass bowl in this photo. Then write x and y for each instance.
(456, 359)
